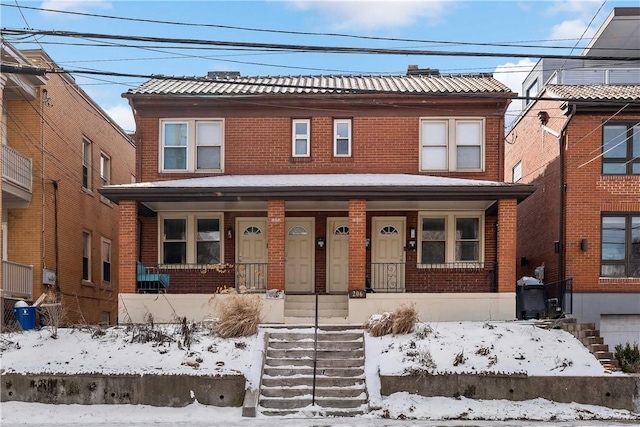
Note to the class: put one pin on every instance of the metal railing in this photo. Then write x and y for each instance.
(387, 277)
(252, 276)
(17, 280)
(243, 276)
(559, 298)
(16, 167)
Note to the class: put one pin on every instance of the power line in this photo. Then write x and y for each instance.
(303, 48)
(305, 33)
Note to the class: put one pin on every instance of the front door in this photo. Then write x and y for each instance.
(299, 255)
(387, 256)
(338, 255)
(251, 264)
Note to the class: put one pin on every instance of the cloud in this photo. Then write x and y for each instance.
(513, 75)
(584, 8)
(123, 116)
(75, 5)
(370, 15)
(572, 30)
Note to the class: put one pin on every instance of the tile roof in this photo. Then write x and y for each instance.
(596, 92)
(231, 85)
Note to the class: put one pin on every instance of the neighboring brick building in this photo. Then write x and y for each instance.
(321, 184)
(588, 232)
(59, 233)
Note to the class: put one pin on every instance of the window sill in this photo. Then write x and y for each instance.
(87, 190)
(87, 283)
(466, 266)
(105, 201)
(106, 286)
(300, 159)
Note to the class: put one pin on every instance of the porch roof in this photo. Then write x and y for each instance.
(397, 187)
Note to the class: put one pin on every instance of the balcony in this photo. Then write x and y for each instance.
(16, 177)
(17, 280)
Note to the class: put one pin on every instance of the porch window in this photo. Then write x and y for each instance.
(191, 145)
(621, 149)
(450, 238)
(190, 239)
(342, 138)
(620, 249)
(301, 130)
(454, 144)
(106, 260)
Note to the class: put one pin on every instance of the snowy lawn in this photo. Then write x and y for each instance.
(470, 347)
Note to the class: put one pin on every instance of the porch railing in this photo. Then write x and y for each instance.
(243, 276)
(16, 167)
(17, 280)
(251, 276)
(386, 277)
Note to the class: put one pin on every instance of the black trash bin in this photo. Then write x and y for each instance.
(530, 299)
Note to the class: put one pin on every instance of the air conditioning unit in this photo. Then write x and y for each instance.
(48, 277)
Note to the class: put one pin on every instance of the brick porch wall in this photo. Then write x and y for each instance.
(507, 216)
(357, 248)
(275, 244)
(128, 242)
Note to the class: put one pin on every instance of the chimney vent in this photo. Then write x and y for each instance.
(414, 70)
(223, 74)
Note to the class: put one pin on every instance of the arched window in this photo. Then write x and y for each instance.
(298, 230)
(342, 230)
(389, 230)
(252, 231)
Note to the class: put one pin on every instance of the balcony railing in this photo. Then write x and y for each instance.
(16, 168)
(17, 280)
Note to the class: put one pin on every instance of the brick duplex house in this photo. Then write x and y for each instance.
(58, 232)
(370, 191)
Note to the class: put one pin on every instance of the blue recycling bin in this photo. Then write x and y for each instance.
(26, 317)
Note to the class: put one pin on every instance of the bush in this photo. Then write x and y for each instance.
(628, 357)
(239, 316)
(401, 321)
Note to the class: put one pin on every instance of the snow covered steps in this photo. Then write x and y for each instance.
(287, 379)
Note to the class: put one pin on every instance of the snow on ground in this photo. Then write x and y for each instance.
(474, 347)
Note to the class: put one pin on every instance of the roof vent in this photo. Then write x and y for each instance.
(223, 74)
(413, 70)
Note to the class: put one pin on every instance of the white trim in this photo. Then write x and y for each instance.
(516, 172)
(191, 240)
(191, 147)
(295, 137)
(335, 137)
(452, 143)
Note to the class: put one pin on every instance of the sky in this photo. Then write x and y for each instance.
(504, 347)
(526, 27)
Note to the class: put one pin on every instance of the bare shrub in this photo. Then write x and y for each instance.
(52, 313)
(404, 319)
(239, 316)
(379, 325)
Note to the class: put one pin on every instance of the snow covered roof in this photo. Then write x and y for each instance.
(318, 187)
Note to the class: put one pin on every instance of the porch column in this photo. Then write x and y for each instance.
(357, 249)
(275, 244)
(507, 222)
(127, 246)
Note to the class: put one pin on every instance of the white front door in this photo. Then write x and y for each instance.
(299, 254)
(387, 256)
(251, 257)
(337, 254)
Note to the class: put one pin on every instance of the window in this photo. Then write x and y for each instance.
(451, 238)
(105, 169)
(452, 144)
(86, 256)
(620, 250)
(191, 145)
(517, 172)
(106, 260)
(342, 138)
(301, 130)
(532, 91)
(190, 239)
(621, 149)
(86, 164)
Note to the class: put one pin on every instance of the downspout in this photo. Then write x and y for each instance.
(563, 189)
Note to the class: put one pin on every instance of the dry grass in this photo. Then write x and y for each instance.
(401, 321)
(239, 316)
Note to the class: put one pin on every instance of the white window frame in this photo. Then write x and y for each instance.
(105, 169)
(191, 219)
(86, 253)
(452, 143)
(104, 241)
(532, 91)
(191, 148)
(336, 137)
(450, 238)
(516, 172)
(86, 163)
(295, 137)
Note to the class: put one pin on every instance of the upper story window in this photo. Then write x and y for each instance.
(516, 172)
(532, 91)
(86, 164)
(621, 149)
(342, 137)
(455, 144)
(86, 256)
(191, 145)
(105, 169)
(301, 138)
(106, 260)
(451, 238)
(620, 251)
(190, 238)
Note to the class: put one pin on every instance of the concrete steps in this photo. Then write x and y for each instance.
(304, 306)
(287, 385)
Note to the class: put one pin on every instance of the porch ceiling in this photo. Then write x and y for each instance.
(318, 187)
